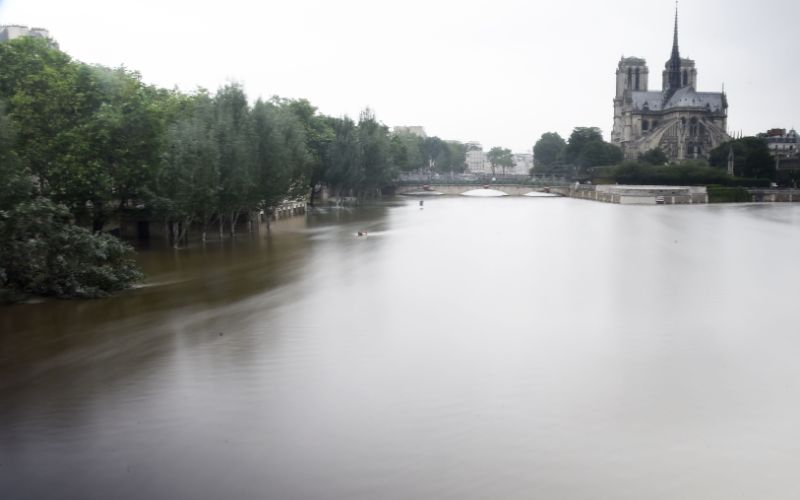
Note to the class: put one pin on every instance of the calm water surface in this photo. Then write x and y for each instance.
(476, 349)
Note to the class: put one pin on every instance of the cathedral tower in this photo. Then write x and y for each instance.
(679, 120)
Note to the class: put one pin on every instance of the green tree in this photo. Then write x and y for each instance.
(15, 182)
(432, 149)
(500, 157)
(42, 252)
(752, 158)
(187, 184)
(318, 136)
(586, 148)
(452, 158)
(284, 161)
(548, 151)
(38, 86)
(374, 140)
(654, 157)
(236, 145)
(406, 150)
(343, 166)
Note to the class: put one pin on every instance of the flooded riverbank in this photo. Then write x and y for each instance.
(469, 348)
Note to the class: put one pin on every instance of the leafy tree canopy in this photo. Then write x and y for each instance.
(500, 157)
(654, 157)
(751, 157)
(548, 150)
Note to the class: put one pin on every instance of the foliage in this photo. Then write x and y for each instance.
(751, 157)
(689, 173)
(453, 158)
(15, 183)
(548, 151)
(42, 252)
(721, 194)
(654, 157)
(406, 150)
(500, 157)
(586, 148)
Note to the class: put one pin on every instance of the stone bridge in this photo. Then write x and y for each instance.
(458, 189)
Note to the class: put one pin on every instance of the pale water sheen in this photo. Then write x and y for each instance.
(510, 348)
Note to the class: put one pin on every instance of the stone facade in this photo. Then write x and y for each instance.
(782, 144)
(12, 31)
(476, 158)
(412, 130)
(681, 121)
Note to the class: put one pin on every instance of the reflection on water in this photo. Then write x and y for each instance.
(471, 348)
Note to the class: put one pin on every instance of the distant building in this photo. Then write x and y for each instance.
(681, 121)
(478, 163)
(12, 31)
(785, 148)
(476, 158)
(782, 144)
(413, 130)
(523, 163)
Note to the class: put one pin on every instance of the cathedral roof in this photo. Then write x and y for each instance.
(685, 97)
(647, 100)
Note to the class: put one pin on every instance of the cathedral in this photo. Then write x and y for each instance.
(684, 123)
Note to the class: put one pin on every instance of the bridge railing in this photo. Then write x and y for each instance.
(483, 182)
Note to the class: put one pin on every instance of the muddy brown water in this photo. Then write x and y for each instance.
(474, 348)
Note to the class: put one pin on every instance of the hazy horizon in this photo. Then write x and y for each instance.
(501, 73)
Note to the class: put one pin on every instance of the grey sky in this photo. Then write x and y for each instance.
(501, 72)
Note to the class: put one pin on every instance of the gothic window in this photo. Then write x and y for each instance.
(630, 77)
(645, 126)
(693, 127)
(637, 78)
(685, 78)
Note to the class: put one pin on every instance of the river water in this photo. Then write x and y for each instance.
(509, 348)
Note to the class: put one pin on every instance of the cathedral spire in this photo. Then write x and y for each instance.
(675, 52)
(674, 64)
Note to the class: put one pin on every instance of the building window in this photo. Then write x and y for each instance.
(645, 126)
(685, 78)
(637, 78)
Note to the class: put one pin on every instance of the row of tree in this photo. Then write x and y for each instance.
(585, 149)
(99, 140)
(82, 144)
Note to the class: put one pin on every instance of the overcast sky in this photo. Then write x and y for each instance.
(501, 72)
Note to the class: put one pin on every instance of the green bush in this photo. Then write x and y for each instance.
(722, 194)
(686, 174)
(43, 252)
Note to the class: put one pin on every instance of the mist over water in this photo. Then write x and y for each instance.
(508, 348)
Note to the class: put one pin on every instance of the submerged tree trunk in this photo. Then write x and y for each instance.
(176, 241)
(233, 217)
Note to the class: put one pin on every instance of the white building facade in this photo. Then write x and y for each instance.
(12, 31)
